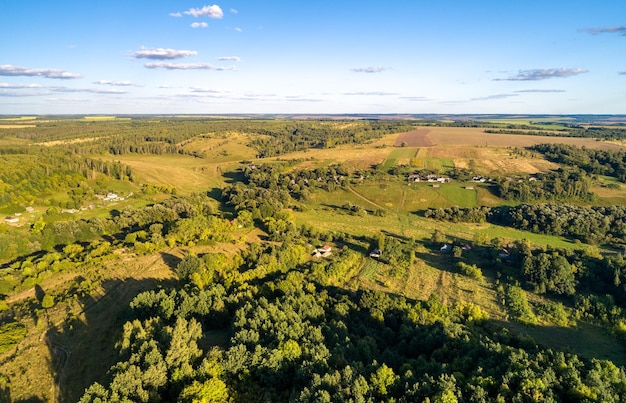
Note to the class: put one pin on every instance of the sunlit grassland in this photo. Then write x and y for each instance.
(324, 211)
(18, 118)
(104, 118)
(186, 173)
(226, 148)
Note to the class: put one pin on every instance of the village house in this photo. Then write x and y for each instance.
(324, 251)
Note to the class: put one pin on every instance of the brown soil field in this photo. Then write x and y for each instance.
(415, 138)
(478, 137)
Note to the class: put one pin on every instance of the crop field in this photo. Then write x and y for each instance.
(477, 137)
(415, 138)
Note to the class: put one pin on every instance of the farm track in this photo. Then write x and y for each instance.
(360, 196)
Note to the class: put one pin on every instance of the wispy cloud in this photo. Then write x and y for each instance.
(373, 93)
(257, 95)
(115, 83)
(208, 90)
(89, 90)
(619, 30)
(416, 98)
(376, 69)
(298, 99)
(186, 66)
(8, 85)
(496, 96)
(238, 29)
(177, 14)
(199, 24)
(544, 91)
(543, 74)
(233, 11)
(213, 11)
(229, 58)
(5, 93)
(163, 54)
(10, 70)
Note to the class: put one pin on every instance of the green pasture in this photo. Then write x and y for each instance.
(324, 211)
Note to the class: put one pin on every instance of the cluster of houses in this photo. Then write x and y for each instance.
(326, 251)
(415, 177)
(110, 197)
(15, 218)
(73, 210)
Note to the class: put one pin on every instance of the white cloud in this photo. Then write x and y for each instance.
(177, 14)
(374, 93)
(543, 74)
(5, 93)
(10, 70)
(208, 90)
(233, 11)
(229, 58)
(8, 85)
(238, 29)
(186, 66)
(90, 90)
(418, 99)
(619, 30)
(540, 91)
(213, 11)
(199, 24)
(163, 54)
(496, 96)
(375, 69)
(115, 83)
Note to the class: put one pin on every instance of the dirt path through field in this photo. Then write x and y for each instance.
(365, 198)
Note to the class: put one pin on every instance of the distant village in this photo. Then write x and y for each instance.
(17, 218)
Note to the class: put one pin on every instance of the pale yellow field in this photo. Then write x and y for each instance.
(3, 126)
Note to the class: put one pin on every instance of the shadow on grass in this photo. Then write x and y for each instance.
(170, 260)
(83, 348)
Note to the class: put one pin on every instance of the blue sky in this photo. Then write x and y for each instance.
(178, 56)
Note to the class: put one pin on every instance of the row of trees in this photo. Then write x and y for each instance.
(592, 161)
(590, 224)
(563, 184)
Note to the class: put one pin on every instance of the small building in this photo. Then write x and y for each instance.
(376, 253)
(12, 220)
(324, 251)
(446, 248)
(466, 246)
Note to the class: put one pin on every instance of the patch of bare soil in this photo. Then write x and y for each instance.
(414, 138)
